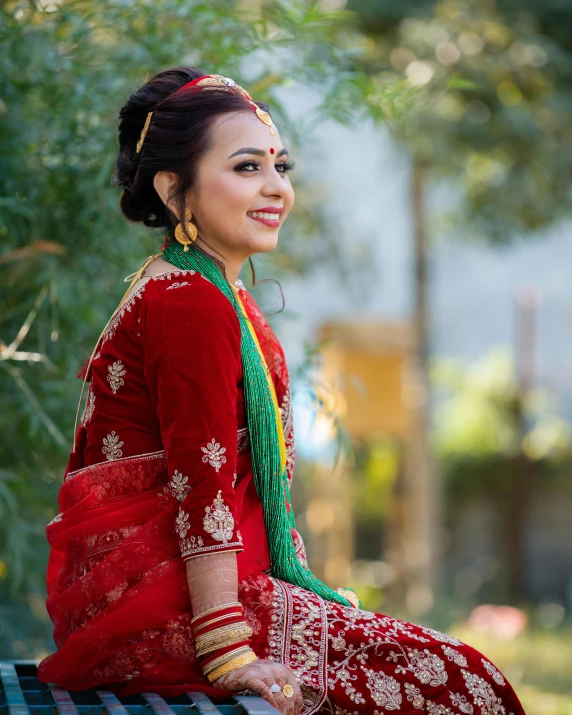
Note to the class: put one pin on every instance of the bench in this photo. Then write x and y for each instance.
(21, 693)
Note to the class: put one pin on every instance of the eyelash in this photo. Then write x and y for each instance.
(286, 166)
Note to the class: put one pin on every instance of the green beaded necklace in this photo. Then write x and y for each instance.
(266, 436)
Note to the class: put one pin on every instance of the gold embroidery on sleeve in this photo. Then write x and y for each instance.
(115, 378)
(182, 523)
(178, 486)
(218, 521)
(214, 454)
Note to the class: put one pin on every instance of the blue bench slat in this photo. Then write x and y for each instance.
(256, 705)
(14, 695)
(203, 704)
(112, 703)
(63, 700)
(158, 705)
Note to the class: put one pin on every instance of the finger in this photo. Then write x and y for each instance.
(299, 703)
(289, 703)
(297, 700)
(260, 687)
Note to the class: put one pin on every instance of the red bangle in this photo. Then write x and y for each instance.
(211, 615)
(224, 621)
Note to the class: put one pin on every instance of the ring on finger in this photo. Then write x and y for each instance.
(275, 688)
(288, 690)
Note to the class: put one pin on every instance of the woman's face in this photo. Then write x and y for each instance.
(243, 176)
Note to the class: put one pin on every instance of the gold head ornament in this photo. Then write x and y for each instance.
(214, 81)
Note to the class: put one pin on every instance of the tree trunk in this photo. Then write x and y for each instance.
(420, 487)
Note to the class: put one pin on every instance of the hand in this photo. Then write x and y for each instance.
(259, 677)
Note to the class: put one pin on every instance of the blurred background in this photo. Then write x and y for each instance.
(426, 276)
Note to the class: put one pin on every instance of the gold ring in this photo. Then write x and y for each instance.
(288, 691)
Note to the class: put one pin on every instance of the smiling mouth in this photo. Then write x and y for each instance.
(270, 219)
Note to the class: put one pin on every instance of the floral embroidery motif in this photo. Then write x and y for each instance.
(461, 702)
(182, 523)
(234, 478)
(426, 666)
(483, 694)
(89, 408)
(384, 689)
(178, 486)
(115, 378)
(455, 656)
(178, 285)
(491, 670)
(218, 521)
(214, 454)
(414, 696)
(112, 446)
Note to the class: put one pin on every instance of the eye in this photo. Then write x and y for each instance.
(248, 166)
(284, 166)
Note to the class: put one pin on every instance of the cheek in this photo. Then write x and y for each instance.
(234, 193)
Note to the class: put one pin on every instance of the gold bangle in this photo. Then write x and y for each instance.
(233, 664)
(216, 608)
(206, 648)
(217, 646)
(226, 658)
(220, 635)
(222, 632)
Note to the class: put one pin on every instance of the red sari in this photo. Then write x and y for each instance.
(162, 473)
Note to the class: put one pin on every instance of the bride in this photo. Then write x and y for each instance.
(175, 562)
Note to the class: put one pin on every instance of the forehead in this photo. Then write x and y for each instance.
(242, 129)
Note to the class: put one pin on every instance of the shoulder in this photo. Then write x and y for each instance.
(189, 300)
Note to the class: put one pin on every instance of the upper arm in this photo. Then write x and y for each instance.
(191, 342)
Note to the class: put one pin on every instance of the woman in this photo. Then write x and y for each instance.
(175, 564)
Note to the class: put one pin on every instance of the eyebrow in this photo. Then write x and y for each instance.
(256, 152)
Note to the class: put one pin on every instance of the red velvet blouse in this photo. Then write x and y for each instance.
(167, 376)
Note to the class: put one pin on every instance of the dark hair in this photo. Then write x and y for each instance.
(177, 138)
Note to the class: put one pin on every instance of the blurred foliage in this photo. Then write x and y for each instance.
(476, 436)
(377, 465)
(495, 95)
(67, 68)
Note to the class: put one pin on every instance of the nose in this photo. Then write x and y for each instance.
(275, 186)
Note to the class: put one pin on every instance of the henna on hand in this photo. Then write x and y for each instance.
(258, 677)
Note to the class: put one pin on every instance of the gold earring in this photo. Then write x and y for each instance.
(180, 234)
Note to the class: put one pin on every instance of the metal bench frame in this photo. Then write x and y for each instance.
(21, 693)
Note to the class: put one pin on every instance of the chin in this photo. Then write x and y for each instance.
(264, 244)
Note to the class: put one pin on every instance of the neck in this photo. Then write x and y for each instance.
(232, 264)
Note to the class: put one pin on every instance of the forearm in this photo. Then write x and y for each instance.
(212, 580)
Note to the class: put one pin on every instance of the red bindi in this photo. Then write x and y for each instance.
(272, 150)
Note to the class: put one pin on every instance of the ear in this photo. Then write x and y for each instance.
(165, 182)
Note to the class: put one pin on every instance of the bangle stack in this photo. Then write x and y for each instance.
(222, 640)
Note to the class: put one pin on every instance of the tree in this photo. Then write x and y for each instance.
(494, 82)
